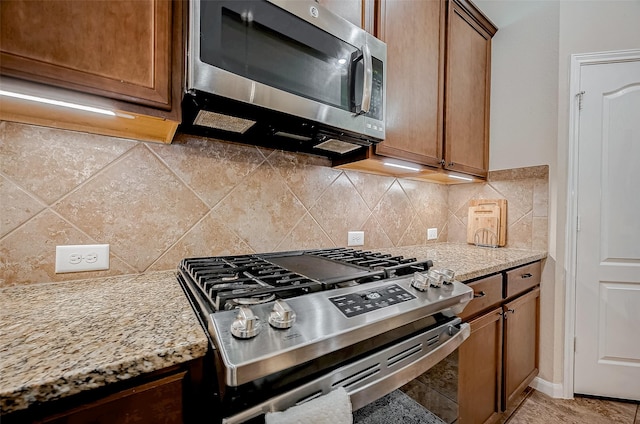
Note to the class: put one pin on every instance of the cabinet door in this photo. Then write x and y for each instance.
(467, 91)
(479, 370)
(521, 334)
(116, 49)
(413, 31)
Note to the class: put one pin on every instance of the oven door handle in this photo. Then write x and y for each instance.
(374, 376)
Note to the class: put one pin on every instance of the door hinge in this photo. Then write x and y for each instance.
(579, 96)
(578, 223)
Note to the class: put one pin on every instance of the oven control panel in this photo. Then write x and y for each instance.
(358, 303)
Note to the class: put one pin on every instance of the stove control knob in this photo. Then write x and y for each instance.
(420, 282)
(282, 316)
(447, 275)
(246, 324)
(435, 278)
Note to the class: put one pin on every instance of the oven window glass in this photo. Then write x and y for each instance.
(260, 41)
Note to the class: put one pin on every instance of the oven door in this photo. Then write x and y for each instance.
(373, 376)
(291, 56)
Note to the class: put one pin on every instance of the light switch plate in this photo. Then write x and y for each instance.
(432, 233)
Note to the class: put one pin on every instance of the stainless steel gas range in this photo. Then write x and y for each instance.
(288, 327)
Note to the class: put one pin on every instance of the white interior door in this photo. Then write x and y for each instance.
(607, 324)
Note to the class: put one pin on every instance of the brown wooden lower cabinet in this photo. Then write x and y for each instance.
(521, 335)
(480, 370)
(500, 358)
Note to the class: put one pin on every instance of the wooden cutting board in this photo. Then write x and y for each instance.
(487, 223)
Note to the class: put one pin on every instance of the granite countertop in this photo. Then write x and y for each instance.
(469, 261)
(58, 339)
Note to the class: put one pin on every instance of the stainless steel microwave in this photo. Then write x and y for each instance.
(286, 73)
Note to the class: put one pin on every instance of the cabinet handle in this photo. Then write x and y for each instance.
(451, 164)
(527, 275)
(481, 294)
(442, 162)
(504, 314)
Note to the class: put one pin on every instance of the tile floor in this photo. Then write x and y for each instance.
(538, 408)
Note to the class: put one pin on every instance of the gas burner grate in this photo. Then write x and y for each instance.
(392, 265)
(230, 281)
(227, 281)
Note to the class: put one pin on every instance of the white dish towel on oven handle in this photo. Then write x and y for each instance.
(332, 408)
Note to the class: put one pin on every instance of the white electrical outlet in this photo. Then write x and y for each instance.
(432, 233)
(84, 257)
(355, 238)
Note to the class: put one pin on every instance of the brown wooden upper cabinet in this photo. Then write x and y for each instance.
(124, 53)
(438, 86)
(413, 33)
(467, 89)
(116, 49)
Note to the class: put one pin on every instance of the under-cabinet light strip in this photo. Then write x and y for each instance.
(395, 165)
(459, 177)
(57, 103)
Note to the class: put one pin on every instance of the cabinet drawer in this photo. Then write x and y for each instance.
(486, 293)
(522, 279)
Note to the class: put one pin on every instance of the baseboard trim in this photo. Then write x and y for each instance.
(554, 390)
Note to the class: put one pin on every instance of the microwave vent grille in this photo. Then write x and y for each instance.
(337, 146)
(223, 122)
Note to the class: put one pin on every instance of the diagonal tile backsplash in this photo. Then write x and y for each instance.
(261, 209)
(340, 209)
(136, 204)
(156, 204)
(49, 164)
(391, 212)
(308, 177)
(211, 170)
(12, 217)
(527, 194)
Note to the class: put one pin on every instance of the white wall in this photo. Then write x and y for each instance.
(524, 121)
(524, 74)
(524, 88)
(530, 110)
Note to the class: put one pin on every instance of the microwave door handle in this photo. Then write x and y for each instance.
(367, 81)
